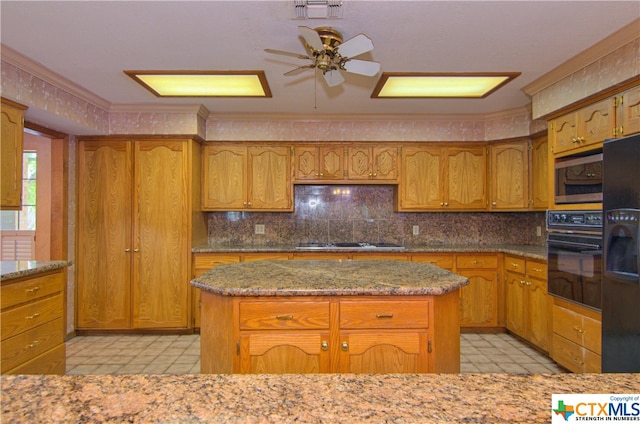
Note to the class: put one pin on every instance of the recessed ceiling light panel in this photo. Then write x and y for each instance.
(203, 83)
(441, 85)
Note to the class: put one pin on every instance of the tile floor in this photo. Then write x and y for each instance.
(151, 354)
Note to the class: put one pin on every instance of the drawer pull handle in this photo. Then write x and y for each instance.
(537, 270)
(36, 315)
(33, 289)
(384, 315)
(324, 345)
(522, 282)
(34, 344)
(284, 317)
(578, 329)
(578, 361)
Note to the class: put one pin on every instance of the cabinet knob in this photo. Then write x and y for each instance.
(324, 345)
(127, 250)
(345, 346)
(494, 203)
(136, 250)
(522, 282)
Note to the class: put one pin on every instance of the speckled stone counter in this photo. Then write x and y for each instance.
(529, 251)
(16, 269)
(329, 278)
(318, 398)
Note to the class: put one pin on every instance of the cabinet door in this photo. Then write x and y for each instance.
(385, 163)
(224, 178)
(11, 141)
(595, 123)
(628, 114)
(290, 352)
(510, 176)
(479, 299)
(421, 178)
(161, 226)
(359, 163)
(378, 351)
(270, 186)
(562, 133)
(540, 173)
(539, 314)
(515, 303)
(331, 162)
(307, 163)
(465, 185)
(104, 234)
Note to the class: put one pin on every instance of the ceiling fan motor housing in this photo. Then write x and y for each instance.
(330, 37)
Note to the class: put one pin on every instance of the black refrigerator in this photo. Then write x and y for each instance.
(621, 261)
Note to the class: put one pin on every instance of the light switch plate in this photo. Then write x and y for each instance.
(416, 230)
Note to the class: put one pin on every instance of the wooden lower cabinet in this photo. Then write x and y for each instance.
(480, 299)
(577, 337)
(528, 306)
(315, 334)
(33, 324)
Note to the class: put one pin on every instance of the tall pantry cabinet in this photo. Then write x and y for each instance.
(137, 220)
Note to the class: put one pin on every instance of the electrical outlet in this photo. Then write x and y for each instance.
(259, 228)
(539, 231)
(416, 230)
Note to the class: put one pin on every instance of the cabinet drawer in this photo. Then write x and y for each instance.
(514, 264)
(30, 315)
(384, 314)
(537, 269)
(582, 330)
(574, 357)
(208, 261)
(477, 262)
(283, 315)
(443, 261)
(25, 346)
(51, 362)
(33, 288)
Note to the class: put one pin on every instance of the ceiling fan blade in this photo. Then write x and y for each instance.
(299, 69)
(333, 77)
(355, 46)
(362, 67)
(311, 37)
(299, 56)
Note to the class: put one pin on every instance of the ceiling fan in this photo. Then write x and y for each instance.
(330, 55)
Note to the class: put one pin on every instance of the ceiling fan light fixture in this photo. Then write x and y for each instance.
(440, 85)
(203, 83)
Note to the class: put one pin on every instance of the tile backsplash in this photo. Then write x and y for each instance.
(338, 213)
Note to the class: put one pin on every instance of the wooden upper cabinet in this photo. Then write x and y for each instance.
(247, 177)
(439, 178)
(628, 112)
(510, 175)
(540, 172)
(319, 163)
(583, 129)
(376, 164)
(465, 181)
(11, 142)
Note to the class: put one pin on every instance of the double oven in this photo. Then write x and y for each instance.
(574, 252)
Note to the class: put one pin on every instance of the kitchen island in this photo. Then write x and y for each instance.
(311, 398)
(327, 316)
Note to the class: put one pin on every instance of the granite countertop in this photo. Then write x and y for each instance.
(329, 277)
(288, 398)
(530, 251)
(17, 269)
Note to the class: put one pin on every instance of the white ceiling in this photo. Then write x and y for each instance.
(92, 42)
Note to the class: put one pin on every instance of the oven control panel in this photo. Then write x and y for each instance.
(574, 220)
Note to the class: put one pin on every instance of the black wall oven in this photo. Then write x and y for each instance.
(574, 253)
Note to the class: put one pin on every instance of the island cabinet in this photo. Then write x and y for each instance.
(509, 175)
(528, 306)
(480, 300)
(442, 178)
(11, 142)
(320, 334)
(136, 225)
(239, 177)
(33, 324)
(583, 129)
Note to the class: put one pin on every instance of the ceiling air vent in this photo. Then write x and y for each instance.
(317, 9)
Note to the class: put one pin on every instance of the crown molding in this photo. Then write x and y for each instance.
(39, 71)
(198, 109)
(620, 38)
